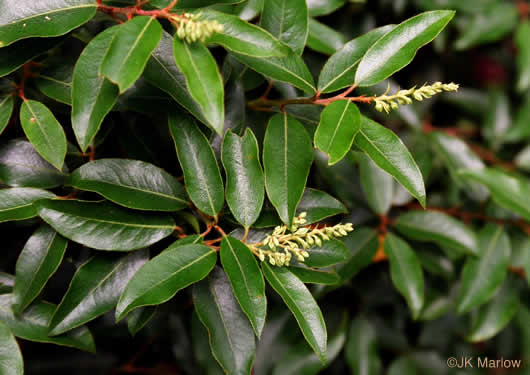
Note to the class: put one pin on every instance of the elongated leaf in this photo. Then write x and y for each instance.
(481, 277)
(243, 37)
(397, 48)
(245, 184)
(95, 289)
(56, 83)
(323, 38)
(522, 160)
(287, 158)
(377, 186)
(41, 256)
(406, 272)
(440, 228)
(7, 282)
(339, 124)
(498, 118)
(291, 69)
(44, 132)
(104, 226)
(323, 7)
(288, 21)
(137, 319)
(391, 155)
(21, 165)
(17, 203)
(314, 276)
(20, 53)
(339, 70)
(11, 362)
(6, 109)
(131, 183)
(129, 51)
(522, 35)
(330, 253)
(361, 348)
(508, 191)
(32, 325)
(230, 333)
(318, 205)
(203, 80)
(363, 244)
(521, 254)
(163, 276)
(93, 96)
(201, 173)
(302, 304)
(43, 19)
(247, 281)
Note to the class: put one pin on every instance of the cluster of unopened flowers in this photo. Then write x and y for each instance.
(191, 29)
(280, 246)
(388, 102)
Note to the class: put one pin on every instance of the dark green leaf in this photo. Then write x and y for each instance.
(137, 319)
(20, 53)
(481, 277)
(361, 348)
(521, 254)
(56, 82)
(330, 253)
(11, 362)
(323, 7)
(302, 304)
(314, 276)
(377, 185)
(41, 256)
(32, 325)
(45, 19)
(249, 9)
(201, 173)
(230, 333)
(6, 109)
(287, 158)
(21, 165)
(95, 289)
(44, 132)
(324, 39)
(245, 184)
(440, 228)
(163, 276)
(402, 365)
(131, 183)
(129, 50)
(287, 20)
(391, 155)
(363, 244)
(522, 42)
(7, 282)
(17, 203)
(318, 205)
(104, 226)
(247, 281)
(406, 272)
(498, 118)
(397, 48)
(203, 80)
(93, 96)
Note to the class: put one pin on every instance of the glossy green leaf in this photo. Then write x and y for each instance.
(522, 42)
(363, 244)
(21, 165)
(397, 48)
(437, 263)
(44, 132)
(323, 7)
(440, 228)
(339, 70)
(302, 304)
(138, 318)
(521, 254)
(406, 272)
(457, 155)
(20, 53)
(247, 281)
(249, 9)
(493, 317)
(245, 184)
(436, 308)
(522, 160)
(93, 96)
(17, 203)
(243, 37)
(324, 39)
(330, 253)
(201, 173)
(291, 69)
(498, 118)
(11, 362)
(42, 19)
(287, 158)
(314, 276)
(377, 185)
(164, 275)
(95, 289)
(361, 348)
(32, 325)
(391, 155)
(104, 226)
(287, 20)
(230, 333)
(339, 124)
(131, 183)
(56, 82)
(7, 282)
(203, 80)
(6, 109)
(481, 277)
(319, 205)
(507, 190)
(41, 256)
(129, 50)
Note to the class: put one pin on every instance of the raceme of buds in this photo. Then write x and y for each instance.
(388, 102)
(191, 29)
(279, 247)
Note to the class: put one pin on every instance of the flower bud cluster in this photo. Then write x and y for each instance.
(402, 97)
(191, 29)
(279, 247)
